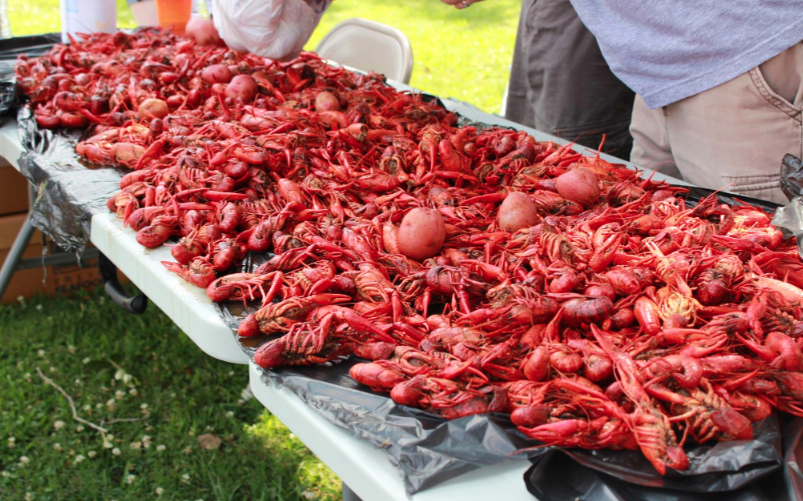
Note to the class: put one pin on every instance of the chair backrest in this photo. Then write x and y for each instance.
(369, 46)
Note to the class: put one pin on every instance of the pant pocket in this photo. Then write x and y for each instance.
(765, 187)
(772, 97)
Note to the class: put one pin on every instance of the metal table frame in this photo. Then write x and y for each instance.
(366, 469)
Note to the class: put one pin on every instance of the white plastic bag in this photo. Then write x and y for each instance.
(277, 29)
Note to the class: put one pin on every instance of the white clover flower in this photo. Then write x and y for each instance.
(41, 353)
(71, 348)
(98, 405)
(116, 451)
(58, 447)
(38, 307)
(187, 450)
(308, 495)
(129, 479)
(230, 414)
(119, 394)
(5, 474)
(59, 424)
(133, 391)
(79, 458)
(143, 406)
(24, 460)
(87, 407)
(86, 360)
(159, 491)
(118, 375)
(185, 478)
(107, 444)
(127, 378)
(20, 299)
(136, 445)
(52, 369)
(77, 382)
(28, 495)
(91, 454)
(160, 447)
(79, 428)
(231, 373)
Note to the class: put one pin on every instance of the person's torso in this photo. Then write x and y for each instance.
(669, 50)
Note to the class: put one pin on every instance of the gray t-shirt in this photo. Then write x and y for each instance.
(667, 50)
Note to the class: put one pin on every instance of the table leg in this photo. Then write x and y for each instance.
(134, 304)
(15, 254)
(348, 494)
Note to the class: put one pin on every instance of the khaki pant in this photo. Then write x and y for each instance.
(733, 136)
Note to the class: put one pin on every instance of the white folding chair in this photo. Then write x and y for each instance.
(369, 46)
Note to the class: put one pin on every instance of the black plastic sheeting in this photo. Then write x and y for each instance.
(790, 217)
(429, 450)
(68, 191)
(557, 476)
(10, 48)
(426, 448)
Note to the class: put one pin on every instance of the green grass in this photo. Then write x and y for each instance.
(462, 54)
(29, 17)
(178, 391)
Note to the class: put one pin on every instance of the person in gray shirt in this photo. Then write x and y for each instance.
(559, 82)
(719, 86)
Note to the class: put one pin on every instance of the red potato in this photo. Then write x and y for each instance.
(516, 212)
(243, 87)
(421, 234)
(216, 73)
(152, 108)
(579, 185)
(326, 101)
(202, 31)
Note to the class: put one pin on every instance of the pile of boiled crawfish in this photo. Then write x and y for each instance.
(636, 322)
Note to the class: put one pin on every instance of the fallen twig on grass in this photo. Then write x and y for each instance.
(75, 415)
(123, 420)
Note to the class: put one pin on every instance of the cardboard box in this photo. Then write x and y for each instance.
(9, 227)
(63, 279)
(13, 190)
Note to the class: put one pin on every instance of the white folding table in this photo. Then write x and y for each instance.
(367, 470)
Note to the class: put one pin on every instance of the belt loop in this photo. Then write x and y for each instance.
(664, 110)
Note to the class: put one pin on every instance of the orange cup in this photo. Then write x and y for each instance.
(174, 14)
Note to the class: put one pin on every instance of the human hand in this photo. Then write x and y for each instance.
(460, 4)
